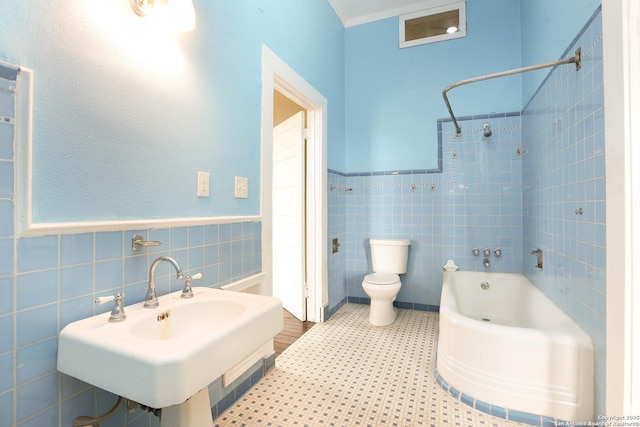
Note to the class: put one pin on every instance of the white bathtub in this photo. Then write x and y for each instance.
(510, 346)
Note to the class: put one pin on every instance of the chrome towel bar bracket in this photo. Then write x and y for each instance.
(138, 242)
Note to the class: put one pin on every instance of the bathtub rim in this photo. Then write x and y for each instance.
(566, 328)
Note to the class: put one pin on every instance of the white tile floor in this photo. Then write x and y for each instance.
(346, 372)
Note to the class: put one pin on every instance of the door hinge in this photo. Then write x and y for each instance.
(306, 133)
(305, 290)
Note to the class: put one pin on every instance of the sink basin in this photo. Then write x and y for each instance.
(161, 357)
(191, 320)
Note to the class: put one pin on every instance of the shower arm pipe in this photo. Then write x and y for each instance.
(576, 59)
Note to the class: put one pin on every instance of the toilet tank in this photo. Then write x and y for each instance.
(389, 255)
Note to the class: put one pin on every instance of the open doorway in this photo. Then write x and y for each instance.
(278, 77)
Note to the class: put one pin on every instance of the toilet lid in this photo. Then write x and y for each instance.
(382, 278)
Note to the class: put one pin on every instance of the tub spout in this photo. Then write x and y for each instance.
(486, 263)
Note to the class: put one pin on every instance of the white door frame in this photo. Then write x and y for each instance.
(621, 41)
(277, 75)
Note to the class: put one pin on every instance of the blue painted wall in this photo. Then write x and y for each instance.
(126, 112)
(394, 96)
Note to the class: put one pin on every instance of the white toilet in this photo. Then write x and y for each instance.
(389, 259)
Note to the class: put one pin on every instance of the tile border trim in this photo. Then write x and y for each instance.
(495, 410)
(398, 304)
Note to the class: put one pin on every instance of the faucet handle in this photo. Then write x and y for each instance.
(117, 314)
(187, 292)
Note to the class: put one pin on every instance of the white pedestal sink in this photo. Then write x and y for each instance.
(162, 357)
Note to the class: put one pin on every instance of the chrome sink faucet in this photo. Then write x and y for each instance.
(151, 300)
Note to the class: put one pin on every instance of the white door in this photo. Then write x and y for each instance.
(288, 196)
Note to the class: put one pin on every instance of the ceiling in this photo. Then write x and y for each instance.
(356, 12)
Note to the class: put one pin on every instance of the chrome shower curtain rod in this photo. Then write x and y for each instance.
(576, 59)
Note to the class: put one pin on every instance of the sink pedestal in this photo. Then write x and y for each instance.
(195, 412)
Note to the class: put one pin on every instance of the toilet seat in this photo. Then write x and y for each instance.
(382, 278)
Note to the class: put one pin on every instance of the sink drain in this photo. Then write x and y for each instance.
(485, 319)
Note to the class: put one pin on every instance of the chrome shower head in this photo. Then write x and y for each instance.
(487, 130)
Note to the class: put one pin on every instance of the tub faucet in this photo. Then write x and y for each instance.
(486, 263)
(151, 300)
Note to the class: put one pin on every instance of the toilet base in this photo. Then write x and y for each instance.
(382, 312)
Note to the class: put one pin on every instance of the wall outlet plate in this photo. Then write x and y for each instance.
(242, 187)
(203, 184)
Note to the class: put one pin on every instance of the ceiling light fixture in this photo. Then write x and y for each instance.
(142, 7)
(452, 30)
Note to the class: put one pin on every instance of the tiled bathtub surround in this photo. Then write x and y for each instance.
(475, 202)
(563, 172)
(54, 281)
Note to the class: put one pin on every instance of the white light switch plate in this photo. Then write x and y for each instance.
(242, 187)
(203, 184)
